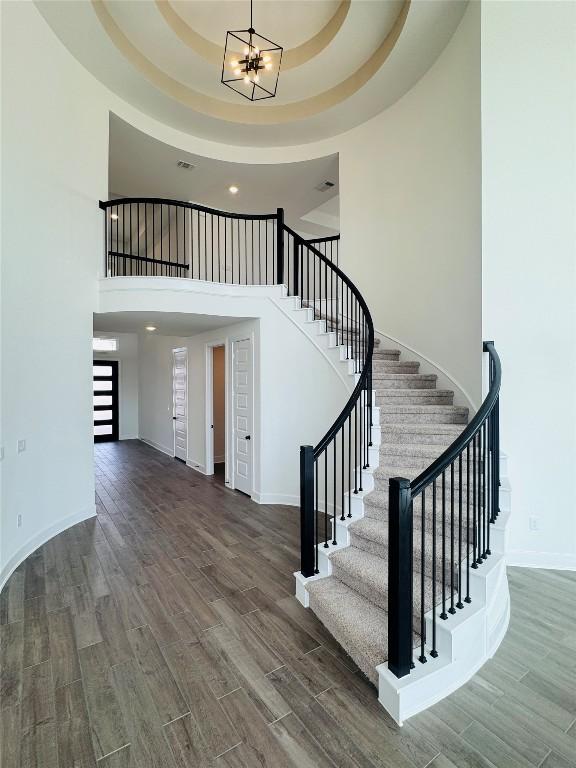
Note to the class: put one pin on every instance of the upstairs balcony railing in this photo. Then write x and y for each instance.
(155, 237)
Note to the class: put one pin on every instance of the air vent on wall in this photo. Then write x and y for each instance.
(184, 165)
(324, 186)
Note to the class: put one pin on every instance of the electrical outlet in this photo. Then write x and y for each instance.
(21, 446)
(533, 523)
(19, 521)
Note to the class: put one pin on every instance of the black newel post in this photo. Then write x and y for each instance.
(399, 577)
(280, 246)
(307, 511)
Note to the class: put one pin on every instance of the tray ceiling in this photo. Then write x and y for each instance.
(344, 60)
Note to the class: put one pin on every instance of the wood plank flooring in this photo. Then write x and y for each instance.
(164, 632)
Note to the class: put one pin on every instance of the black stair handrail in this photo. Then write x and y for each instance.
(464, 504)
(364, 372)
(451, 453)
(106, 204)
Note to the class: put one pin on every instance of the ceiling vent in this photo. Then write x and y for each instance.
(324, 186)
(184, 165)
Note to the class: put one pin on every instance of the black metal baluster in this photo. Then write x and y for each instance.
(452, 609)
(349, 476)
(334, 542)
(434, 651)
(443, 615)
(422, 658)
(474, 524)
(484, 493)
(342, 517)
(317, 511)
(460, 604)
(480, 559)
(356, 447)
(326, 495)
(467, 599)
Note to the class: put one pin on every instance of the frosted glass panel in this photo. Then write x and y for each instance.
(102, 370)
(103, 429)
(102, 399)
(102, 415)
(102, 386)
(104, 345)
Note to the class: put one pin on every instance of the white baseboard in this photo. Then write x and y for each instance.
(161, 448)
(289, 499)
(41, 538)
(559, 561)
(129, 437)
(219, 459)
(197, 467)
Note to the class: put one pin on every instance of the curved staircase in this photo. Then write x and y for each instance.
(400, 501)
(417, 422)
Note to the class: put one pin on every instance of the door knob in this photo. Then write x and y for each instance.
(247, 437)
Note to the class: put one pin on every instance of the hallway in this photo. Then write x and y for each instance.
(164, 632)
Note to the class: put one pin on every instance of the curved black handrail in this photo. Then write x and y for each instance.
(456, 514)
(183, 204)
(364, 373)
(442, 463)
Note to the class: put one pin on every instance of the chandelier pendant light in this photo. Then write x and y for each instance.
(251, 65)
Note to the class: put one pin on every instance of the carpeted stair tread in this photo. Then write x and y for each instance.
(420, 433)
(370, 537)
(367, 574)
(359, 626)
(387, 380)
(413, 396)
(423, 413)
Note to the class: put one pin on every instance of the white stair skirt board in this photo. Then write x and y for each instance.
(465, 641)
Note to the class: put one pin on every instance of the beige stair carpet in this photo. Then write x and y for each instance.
(418, 422)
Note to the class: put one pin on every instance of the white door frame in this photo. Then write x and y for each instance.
(180, 349)
(209, 415)
(254, 437)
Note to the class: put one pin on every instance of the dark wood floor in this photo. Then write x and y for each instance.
(165, 633)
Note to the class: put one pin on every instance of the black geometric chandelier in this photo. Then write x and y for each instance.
(251, 63)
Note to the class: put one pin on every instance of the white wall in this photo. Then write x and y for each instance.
(54, 168)
(127, 357)
(287, 375)
(155, 378)
(219, 403)
(529, 262)
(410, 210)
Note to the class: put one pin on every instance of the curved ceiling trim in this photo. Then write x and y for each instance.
(212, 53)
(251, 115)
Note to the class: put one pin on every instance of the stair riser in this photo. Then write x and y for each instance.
(381, 367)
(381, 550)
(378, 510)
(421, 418)
(380, 596)
(405, 383)
(406, 397)
(390, 438)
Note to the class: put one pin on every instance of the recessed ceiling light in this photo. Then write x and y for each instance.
(150, 327)
(114, 216)
(233, 190)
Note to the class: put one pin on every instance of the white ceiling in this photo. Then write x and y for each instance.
(167, 323)
(141, 166)
(376, 53)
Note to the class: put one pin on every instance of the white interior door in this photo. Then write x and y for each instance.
(242, 414)
(180, 402)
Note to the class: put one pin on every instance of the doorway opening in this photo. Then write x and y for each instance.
(105, 400)
(219, 412)
(180, 402)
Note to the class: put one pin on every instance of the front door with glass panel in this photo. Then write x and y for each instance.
(105, 404)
